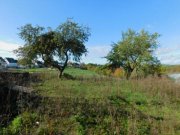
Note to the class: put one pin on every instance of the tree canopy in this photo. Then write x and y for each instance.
(135, 51)
(54, 47)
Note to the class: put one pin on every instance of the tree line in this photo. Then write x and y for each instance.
(134, 52)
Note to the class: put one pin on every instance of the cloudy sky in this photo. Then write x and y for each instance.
(106, 19)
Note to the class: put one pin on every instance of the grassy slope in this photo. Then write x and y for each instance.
(152, 105)
(153, 96)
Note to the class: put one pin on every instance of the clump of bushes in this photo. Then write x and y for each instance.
(21, 124)
(139, 72)
(106, 70)
(119, 72)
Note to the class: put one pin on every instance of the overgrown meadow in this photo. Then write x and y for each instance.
(85, 103)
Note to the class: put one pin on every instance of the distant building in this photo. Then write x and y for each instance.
(2, 63)
(11, 62)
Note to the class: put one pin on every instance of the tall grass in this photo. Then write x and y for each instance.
(102, 105)
(156, 98)
(172, 69)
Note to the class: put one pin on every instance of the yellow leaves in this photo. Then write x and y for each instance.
(119, 72)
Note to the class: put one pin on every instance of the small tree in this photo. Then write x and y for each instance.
(134, 51)
(55, 47)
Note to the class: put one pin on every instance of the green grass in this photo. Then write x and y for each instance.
(80, 72)
(31, 70)
(94, 104)
(172, 68)
(69, 70)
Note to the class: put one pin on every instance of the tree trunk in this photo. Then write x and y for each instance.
(64, 66)
(128, 73)
(60, 73)
(56, 65)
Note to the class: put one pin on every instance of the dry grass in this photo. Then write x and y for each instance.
(172, 69)
(105, 105)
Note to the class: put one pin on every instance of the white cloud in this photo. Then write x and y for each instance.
(6, 49)
(8, 46)
(169, 55)
(96, 54)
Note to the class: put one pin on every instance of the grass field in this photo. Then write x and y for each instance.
(172, 68)
(93, 104)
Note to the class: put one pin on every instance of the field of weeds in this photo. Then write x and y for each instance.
(85, 103)
(172, 69)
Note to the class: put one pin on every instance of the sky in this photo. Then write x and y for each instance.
(107, 19)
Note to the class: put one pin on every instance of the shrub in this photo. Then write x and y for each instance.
(16, 125)
(118, 73)
(29, 119)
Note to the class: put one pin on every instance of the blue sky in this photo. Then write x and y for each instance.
(106, 19)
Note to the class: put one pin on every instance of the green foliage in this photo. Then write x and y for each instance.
(21, 124)
(92, 67)
(29, 119)
(100, 69)
(45, 129)
(3, 131)
(102, 105)
(152, 67)
(55, 47)
(134, 51)
(28, 52)
(15, 126)
(144, 128)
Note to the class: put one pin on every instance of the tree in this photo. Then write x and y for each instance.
(26, 54)
(134, 51)
(54, 47)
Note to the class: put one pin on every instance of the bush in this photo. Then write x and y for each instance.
(16, 126)
(29, 119)
(118, 73)
(21, 124)
(46, 130)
